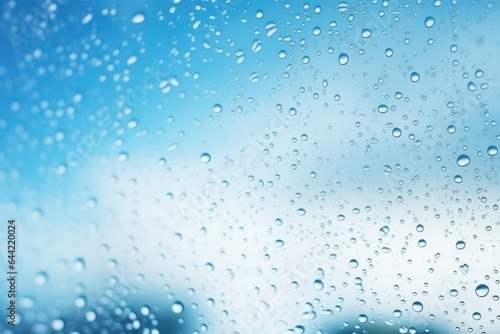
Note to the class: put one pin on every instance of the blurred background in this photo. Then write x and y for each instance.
(251, 167)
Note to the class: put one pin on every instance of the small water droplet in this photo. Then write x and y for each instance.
(460, 244)
(217, 108)
(363, 318)
(301, 212)
(365, 33)
(177, 307)
(282, 54)
(318, 284)
(476, 316)
(451, 129)
(396, 132)
(382, 108)
(389, 52)
(205, 157)
(279, 243)
(353, 263)
(458, 179)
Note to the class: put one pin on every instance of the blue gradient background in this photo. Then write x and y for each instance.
(107, 235)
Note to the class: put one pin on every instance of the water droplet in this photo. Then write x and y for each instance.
(460, 244)
(138, 18)
(217, 108)
(451, 129)
(415, 77)
(458, 179)
(41, 278)
(365, 33)
(353, 263)
(382, 108)
(476, 316)
(479, 73)
(292, 112)
(397, 313)
(343, 59)
(282, 54)
(318, 284)
(316, 31)
(79, 264)
(464, 268)
(422, 243)
(122, 156)
(278, 222)
(429, 22)
(463, 160)
(482, 290)
(259, 14)
(389, 52)
(396, 132)
(271, 29)
(471, 86)
(417, 306)
(305, 59)
(279, 243)
(145, 310)
(205, 157)
(301, 212)
(363, 318)
(57, 325)
(177, 307)
(342, 7)
(492, 150)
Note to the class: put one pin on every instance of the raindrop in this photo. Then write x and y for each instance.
(138, 18)
(366, 33)
(476, 316)
(79, 264)
(482, 290)
(471, 86)
(458, 179)
(301, 212)
(305, 59)
(292, 112)
(41, 278)
(205, 157)
(318, 284)
(217, 108)
(463, 160)
(460, 244)
(396, 132)
(279, 243)
(282, 54)
(389, 52)
(316, 31)
(451, 129)
(342, 7)
(383, 108)
(177, 307)
(343, 59)
(57, 324)
(122, 156)
(429, 22)
(415, 77)
(353, 263)
(417, 306)
(492, 150)
(363, 318)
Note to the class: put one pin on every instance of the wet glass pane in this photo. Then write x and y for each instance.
(216, 166)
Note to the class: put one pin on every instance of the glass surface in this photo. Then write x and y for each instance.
(250, 167)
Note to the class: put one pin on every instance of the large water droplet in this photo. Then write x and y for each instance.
(205, 157)
(460, 244)
(353, 263)
(396, 132)
(451, 129)
(138, 18)
(318, 284)
(463, 160)
(482, 290)
(417, 306)
(476, 316)
(429, 22)
(177, 307)
(366, 33)
(382, 108)
(343, 59)
(492, 150)
(415, 77)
